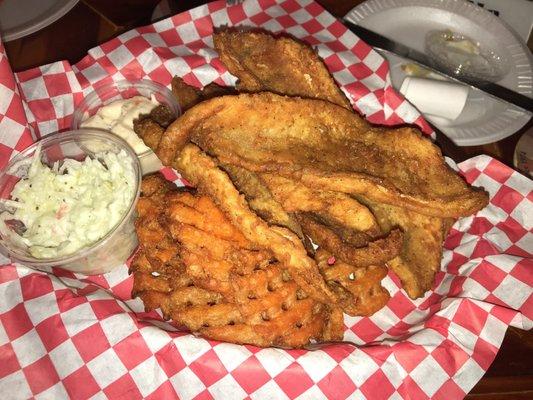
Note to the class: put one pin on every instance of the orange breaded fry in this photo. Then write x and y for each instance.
(203, 215)
(359, 290)
(221, 287)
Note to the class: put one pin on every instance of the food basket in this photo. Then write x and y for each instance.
(69, 335)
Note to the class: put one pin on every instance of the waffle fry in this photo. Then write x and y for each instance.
(358, 290)
(202, 273)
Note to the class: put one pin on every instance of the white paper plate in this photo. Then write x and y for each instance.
(484, 119)
(19, 18)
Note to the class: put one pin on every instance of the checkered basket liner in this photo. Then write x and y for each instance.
(72, 336)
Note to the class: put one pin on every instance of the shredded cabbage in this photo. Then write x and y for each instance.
(71, 205)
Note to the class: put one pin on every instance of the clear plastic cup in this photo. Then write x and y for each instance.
(461, 56)
(109, 92)
(114, 248)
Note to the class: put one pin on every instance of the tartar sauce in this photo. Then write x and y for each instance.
(118, 117)
(71, 205)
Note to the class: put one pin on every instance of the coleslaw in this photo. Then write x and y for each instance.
(71, 205)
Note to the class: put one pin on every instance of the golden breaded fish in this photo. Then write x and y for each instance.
(276, 64)
(325, 146)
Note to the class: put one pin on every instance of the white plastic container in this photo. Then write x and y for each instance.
(107, 93)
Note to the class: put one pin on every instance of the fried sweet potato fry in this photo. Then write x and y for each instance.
(281, 65)
(359, 290)
(149, 230)
(275, 309)
(203, 173)
(325, 146)
(217, 283)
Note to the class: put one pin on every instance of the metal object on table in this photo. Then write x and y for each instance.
(381, 42)
(484, 119)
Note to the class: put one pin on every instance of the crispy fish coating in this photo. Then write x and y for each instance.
(262, 202)
(257, 194)
(420, 256)
(281, 65)
(375, 252)
(340, 208)
(325, 146)
(203, 173)
(218, 284)
(149, 131)
(359, 290)
(187, 95)
(162, 115)
(151, 127)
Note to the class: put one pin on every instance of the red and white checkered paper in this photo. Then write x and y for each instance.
(65, 335)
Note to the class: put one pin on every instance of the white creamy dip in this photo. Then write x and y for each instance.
(71, 205)
(118, 117)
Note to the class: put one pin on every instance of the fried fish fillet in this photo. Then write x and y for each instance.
(203, 173)
(151, 127)
(338, 208)
(281, 65)
(275, 309)
(149, 131)
(400, 176)
(257, 194)
(325, 146)
(187, 95)
(216, 283)
(376, 252)
(262, 202)
(420, 256)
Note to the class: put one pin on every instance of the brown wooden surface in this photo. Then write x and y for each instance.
(89, 23)
(95, 21)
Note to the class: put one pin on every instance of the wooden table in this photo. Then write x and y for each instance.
(511, 374)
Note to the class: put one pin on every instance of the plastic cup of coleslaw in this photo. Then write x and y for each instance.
(114, 246)
(105, 94)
